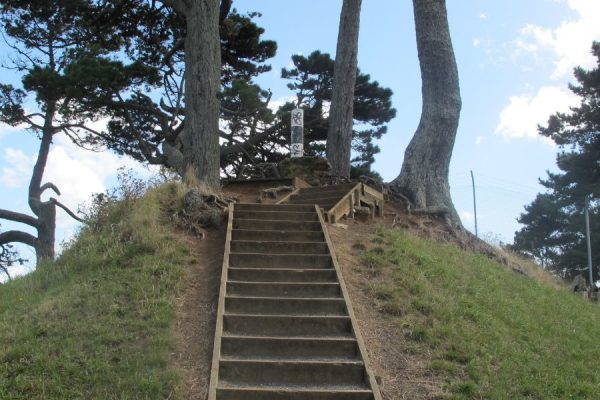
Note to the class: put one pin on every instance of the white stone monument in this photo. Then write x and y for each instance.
(297, 137)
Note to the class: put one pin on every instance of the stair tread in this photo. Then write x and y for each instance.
(319, 388)
(279, 221)
(282, 284)
(293, 361)
(336, 299)
(277, 254)
(274, 241)
(344, 339)
(271, 230)
(283, 269)
(290, 316)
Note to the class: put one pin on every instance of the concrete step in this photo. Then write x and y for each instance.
(266, 225)
(282, 275)
(286, 325)
(296, 261)
(250, 246)
(285, 305)
(284, 289)
(256, 347)
(272, 207)
(277, 236)
(286, 393)
(277, 215)
(277, 372)
(331, 188)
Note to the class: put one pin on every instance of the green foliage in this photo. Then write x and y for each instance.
(96, 323)
(493, 334)
(554, 223)
(66, 59)
(312, 81)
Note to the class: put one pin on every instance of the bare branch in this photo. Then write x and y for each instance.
(19, 237)
(49, 185)
(179, 45)
(251, 142)
(18, 217)
(71, 213)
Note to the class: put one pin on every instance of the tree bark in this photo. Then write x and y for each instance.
(339, 136)
(202, 81)
(44, 249)
(424, 174)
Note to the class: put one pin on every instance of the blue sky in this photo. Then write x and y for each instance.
(515, 59)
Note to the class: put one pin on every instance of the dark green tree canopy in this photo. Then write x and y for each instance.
(312, 81)
(553, 229)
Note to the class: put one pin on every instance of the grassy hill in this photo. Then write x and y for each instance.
(488, 332)
(98, 323)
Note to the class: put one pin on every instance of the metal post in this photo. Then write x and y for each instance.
(474, 204)
(587, 239)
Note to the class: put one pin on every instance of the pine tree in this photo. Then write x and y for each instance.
(61, 49)
(554, 222)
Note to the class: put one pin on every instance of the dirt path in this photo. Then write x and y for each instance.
(196, 313)
(401, 372)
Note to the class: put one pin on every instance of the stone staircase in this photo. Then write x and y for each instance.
(285, 328)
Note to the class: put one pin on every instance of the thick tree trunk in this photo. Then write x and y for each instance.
(44, 249)
(339, 137)
(424, 175)
(202, 81)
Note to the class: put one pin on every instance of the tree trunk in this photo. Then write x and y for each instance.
(424, 175)
(44, 249)
(35, 184)
(202, 81)
(339, 136)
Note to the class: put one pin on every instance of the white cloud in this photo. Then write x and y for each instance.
(520, 118)
(479, 140)
(476, 42)
(18, 174)
(483, 16)
(78, 173)
(570, 42)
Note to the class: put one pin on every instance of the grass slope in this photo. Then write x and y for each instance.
(96, 323)
(493, 334)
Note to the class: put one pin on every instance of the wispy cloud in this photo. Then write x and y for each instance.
(569, 44)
